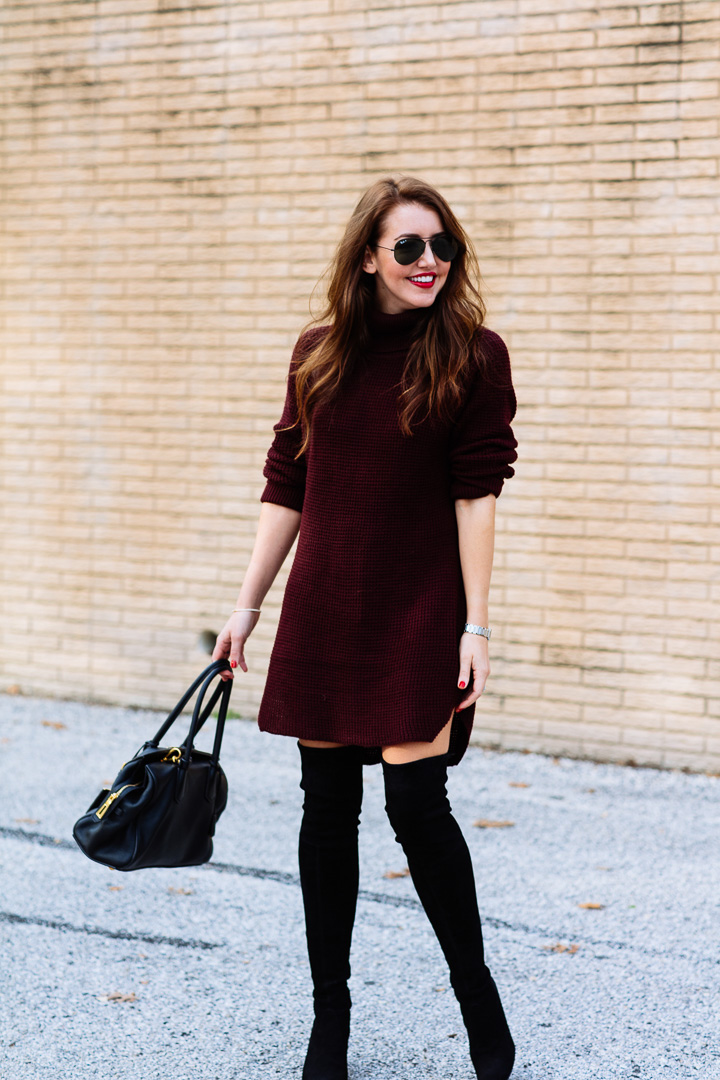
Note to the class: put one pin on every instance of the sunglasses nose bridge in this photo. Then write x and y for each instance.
(428, 255)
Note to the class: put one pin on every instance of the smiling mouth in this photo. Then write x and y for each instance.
(423, 281)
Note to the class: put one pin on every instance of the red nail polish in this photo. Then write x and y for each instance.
(462, 685)
(233, 663)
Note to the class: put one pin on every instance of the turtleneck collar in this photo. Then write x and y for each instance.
(384, 326)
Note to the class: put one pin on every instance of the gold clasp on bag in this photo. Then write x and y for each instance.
(174, 754)
(102, 810)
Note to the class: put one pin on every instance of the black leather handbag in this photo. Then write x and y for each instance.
(165, 802)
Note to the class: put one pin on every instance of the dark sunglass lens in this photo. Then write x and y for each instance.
(445, 247)
(408, 250)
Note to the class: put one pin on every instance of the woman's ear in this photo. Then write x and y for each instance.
(369, 262)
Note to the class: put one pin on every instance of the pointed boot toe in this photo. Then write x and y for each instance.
(327, 1050)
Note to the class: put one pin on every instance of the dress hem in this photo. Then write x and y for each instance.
(460, 730)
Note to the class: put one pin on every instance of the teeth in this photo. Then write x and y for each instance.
(425, 278)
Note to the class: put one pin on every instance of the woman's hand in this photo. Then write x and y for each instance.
(231, 640)
(475, 661)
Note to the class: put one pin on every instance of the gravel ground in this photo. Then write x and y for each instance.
(201, 973)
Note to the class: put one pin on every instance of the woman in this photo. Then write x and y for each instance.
(392, 448)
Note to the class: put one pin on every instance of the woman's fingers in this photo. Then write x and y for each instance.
(241, 625)
(231, 640)
(465, 673)
(473, 696)
(222, 650)
(222, 645)
(474, 669)
(237, 655)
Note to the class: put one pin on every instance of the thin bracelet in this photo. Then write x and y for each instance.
(244, 609)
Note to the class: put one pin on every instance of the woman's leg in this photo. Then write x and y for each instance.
(328, 860)
(441, 869)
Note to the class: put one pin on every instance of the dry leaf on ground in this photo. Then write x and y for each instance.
(592, 906)
(117, 996)
(57, 725)
(397, 873)
(559, 947)
(116, 888)
(181, 892)
(518, 783)
(486, 823)
(27, 820)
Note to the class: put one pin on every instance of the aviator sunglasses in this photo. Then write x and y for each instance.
(411, 248)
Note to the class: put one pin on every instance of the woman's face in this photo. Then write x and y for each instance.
(402, 288)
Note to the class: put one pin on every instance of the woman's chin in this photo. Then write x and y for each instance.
(397, 305)
(423, 299)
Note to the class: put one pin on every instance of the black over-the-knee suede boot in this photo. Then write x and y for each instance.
(441, 870)
(328, 858)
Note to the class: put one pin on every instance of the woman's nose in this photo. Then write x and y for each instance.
(427, 258)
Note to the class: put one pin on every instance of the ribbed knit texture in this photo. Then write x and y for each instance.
(366, 650)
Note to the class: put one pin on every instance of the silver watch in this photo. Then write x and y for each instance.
(471, 628)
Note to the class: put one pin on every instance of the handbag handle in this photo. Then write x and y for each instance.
(200, 715)
(198, 719)
(207, 711)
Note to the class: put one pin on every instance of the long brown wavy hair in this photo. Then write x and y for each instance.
(439, 356)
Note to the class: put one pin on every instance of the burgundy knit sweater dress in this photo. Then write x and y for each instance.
(367, 646)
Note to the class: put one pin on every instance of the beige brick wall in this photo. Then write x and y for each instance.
(175, 176)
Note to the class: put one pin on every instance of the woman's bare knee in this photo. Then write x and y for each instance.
(320, 745)
(401, 753)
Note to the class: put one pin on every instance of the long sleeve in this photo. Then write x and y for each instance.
(482, 444)
(285, 476)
